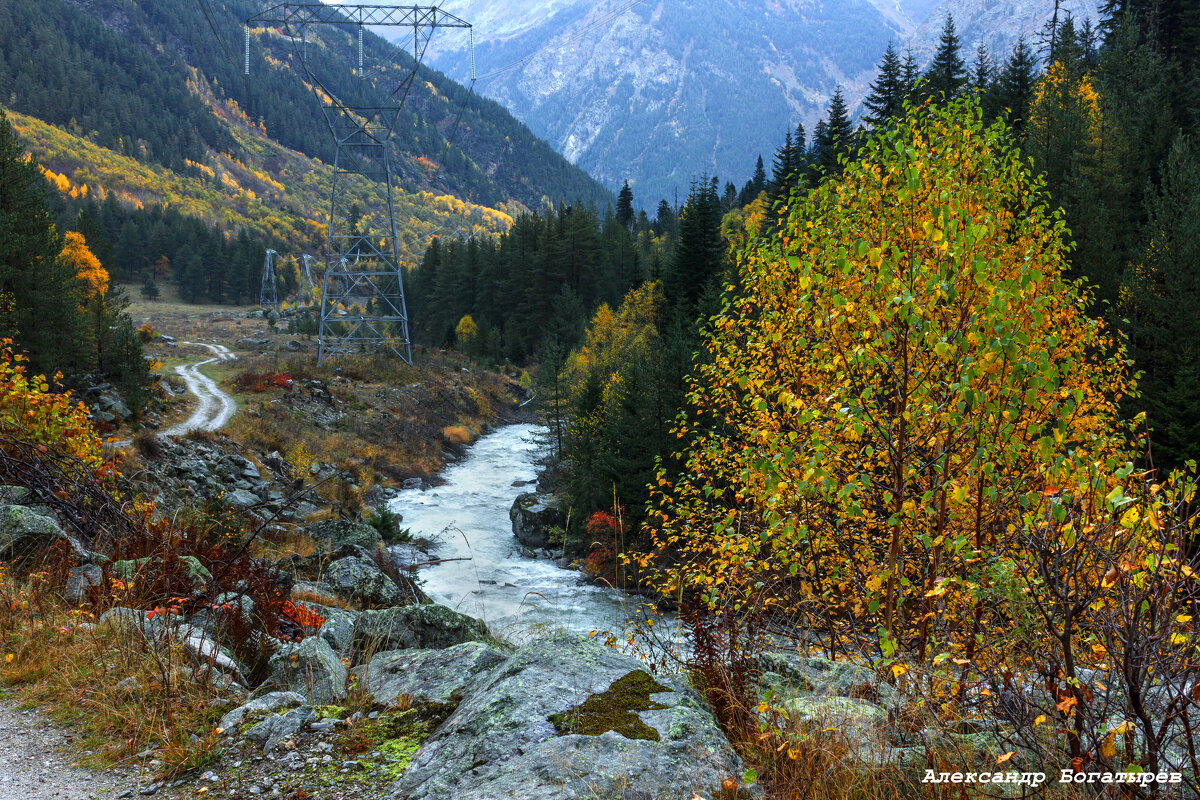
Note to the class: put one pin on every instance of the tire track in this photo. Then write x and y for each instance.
(214, 407)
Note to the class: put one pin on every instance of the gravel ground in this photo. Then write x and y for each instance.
(37, 762)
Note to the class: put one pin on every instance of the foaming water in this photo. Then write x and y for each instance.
(518, 597)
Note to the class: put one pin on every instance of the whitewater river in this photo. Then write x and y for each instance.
(518, 597)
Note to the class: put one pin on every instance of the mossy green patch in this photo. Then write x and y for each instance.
(613, 709)
(390, 742)
(330, 712)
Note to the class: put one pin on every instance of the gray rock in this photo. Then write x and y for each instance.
(13, 495)
(26, 536)
(240, 498)
(253, 344)
(310, 668)
(338, 629)
(79, 580)
(416, 627)
(822, 676)
(428, 675)
(362, 580)
(532, 518)
(267, 704)
(500, 742)
(273, 730)
(113, 403)
(335, 533)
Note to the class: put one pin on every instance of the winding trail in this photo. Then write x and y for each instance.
(215, 407)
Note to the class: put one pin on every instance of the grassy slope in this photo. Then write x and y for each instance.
(269, 189)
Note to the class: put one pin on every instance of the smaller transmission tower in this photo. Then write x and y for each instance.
(269, 296)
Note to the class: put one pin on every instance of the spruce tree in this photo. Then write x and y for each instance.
(783, 168)
(910, 77)
(983, 72)
(947, 74)
(1014, 87)
(886, 99)
(836, 138)
(36, 285)
(625, 216)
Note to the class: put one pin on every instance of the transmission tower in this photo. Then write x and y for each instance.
(268, 297)
(362, 298)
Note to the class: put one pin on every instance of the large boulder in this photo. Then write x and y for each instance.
(533, 518)
(26, 536)
(568, 718)
(275, 729)
(361, 579)
(416, 627)
(310, 668)
(428, 676)
(336, 533)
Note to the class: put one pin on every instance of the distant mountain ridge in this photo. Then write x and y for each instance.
(659, 92)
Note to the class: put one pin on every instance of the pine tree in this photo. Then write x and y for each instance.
(947, 74)
(886, 100)
(625, 216)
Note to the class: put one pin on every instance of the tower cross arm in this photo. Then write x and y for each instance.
(310, 13)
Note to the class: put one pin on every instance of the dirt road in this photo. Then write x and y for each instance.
(214, 407)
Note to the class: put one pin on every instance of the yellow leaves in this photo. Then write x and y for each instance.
(1039, 720)
(898, 670)
(93, 277)
(1004, 758)
(1108, 747)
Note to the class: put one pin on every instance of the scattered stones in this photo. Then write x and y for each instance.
(274, 729)
(268, 703)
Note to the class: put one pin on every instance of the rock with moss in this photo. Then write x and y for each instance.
(428, 675)
(336, 533)
(415, 627)
(534, 516)
(361, 580)
(565, 717)
(795, 674)
(26, 537)
(310, 668)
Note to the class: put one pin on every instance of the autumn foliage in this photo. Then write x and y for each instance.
(906, 379)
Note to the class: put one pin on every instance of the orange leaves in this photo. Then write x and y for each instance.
(92, 276)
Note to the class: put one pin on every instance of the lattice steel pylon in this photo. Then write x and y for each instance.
(268, 296)
(362, 296)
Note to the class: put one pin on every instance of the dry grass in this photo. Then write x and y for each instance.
(458, 434)
(123, 694)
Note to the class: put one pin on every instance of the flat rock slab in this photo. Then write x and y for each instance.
(500, 743)
(428, 675)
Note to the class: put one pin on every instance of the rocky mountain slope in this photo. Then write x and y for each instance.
(660, 92)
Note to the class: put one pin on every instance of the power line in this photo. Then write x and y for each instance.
(213, 25)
